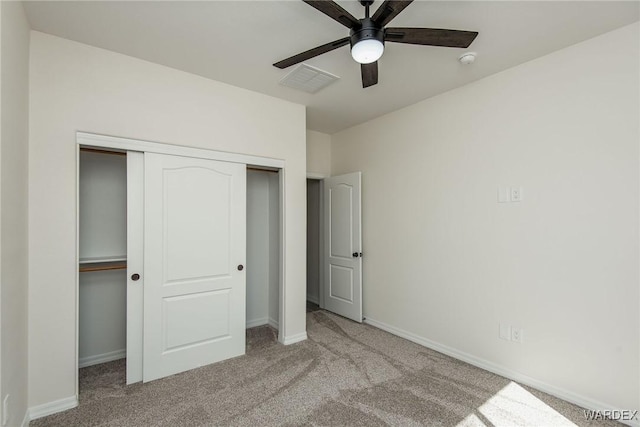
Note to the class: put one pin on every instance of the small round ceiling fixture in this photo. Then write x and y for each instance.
(367, 42)
(367, 51)
(467, 58)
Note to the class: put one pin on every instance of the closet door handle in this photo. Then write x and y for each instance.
(135, 277)
(240, 267)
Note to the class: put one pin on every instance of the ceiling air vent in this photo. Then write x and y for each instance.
(308, 79)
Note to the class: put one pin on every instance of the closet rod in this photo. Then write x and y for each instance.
(102, 268)
(97, 150)
(261, 170)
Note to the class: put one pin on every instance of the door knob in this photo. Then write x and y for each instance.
(135, 277)
(240, 267)
(355, 254)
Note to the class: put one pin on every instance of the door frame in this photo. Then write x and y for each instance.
(111, 143)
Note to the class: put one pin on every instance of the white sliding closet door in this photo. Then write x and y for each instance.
(194, 252)
(135, 262)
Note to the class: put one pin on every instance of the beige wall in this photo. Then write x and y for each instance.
(75, 87)
(318, 153)
(14, 89)
(562, 264)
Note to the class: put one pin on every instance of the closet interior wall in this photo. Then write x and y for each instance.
(263, 248)
(103, 236)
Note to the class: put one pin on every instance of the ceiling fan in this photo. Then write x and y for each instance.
(368, 35)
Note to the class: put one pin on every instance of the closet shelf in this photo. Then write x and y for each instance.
(99, 259)
(102, 263)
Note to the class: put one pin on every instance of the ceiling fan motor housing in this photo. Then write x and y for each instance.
(367, 30)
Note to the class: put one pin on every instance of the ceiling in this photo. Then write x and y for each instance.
(237, 41)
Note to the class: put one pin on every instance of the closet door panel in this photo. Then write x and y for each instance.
(197, 235)
(194, 301)
(208, 311)
(135, 264)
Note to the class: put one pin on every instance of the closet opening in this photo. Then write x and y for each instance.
(102, 269)
(110, 311)
(263, 252)
(314, 245)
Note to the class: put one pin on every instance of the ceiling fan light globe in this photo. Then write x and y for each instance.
(367, 51)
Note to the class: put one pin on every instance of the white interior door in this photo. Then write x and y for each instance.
(343, 246)
(194, 288)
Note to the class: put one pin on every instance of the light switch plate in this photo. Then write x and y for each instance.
(505, 332)
(504, 194)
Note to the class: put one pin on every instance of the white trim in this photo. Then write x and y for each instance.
(262, 321)
(257, 322)
(313, 175)
(321, 242)
(125, 144)
(76, 354)
(295, 338)
(110, 356)
(26, 419)
(282, 287)
(561, 393)
(273, 323)
(51, 408)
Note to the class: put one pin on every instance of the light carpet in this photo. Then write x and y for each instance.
(345, 374)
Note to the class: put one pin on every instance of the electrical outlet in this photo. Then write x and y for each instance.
(5, 410)
(517, 335)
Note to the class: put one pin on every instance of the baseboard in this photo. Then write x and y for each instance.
(50, 408)
(314, 299)
(634, 423)
(26, 419)
(561, 393)
(102, 358)
(292, 339)
(257, 322)
(274, 323)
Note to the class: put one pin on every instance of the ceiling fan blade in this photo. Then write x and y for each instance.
(312, 53)
(334, 11)
(430, 36)
(388, 10)
(369, 74)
